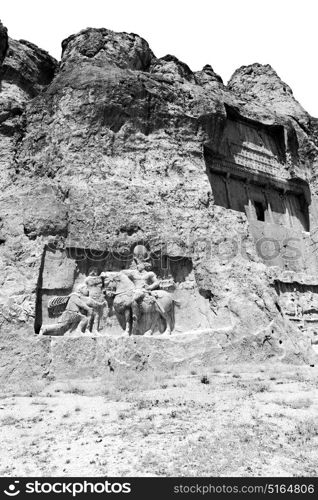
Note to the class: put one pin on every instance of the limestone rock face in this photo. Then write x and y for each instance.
(25, 71)
(28, 67)
(110, 149)
(259, 86)
(3, 42)
(124, 50)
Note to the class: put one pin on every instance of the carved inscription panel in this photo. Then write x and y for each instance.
(252, 148)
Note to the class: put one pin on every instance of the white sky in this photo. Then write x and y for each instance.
(224, 33)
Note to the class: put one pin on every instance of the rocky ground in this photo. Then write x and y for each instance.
(242, 420)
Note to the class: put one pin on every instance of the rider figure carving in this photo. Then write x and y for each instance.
(145, 281)
(139, 302)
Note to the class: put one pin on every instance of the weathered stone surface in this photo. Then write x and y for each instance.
(43, 359)
(124, 50)
(24, 360)
(260, 85)
(25, 71)
(112, 151)
(27, 66)
(3, 42)
(264, 93)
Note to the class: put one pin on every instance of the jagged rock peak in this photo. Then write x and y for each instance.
(125, 50)
(3, 42)
(171, 68)
(208, 75)
(38, 49)
(260, 84)
(27, 66)
(256, 76)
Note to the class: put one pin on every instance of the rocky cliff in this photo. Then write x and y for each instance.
(110, 147)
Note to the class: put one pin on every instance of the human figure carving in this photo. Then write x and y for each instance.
(145, 282)
(298, 305)
(95, 284)
(76, 316)
(140, 305)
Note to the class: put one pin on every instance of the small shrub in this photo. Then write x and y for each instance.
(299, 403)
(35, 420)
(304, 432)
(296, 404)
(205, 380)
(148, 428)
(258, 387)
(261, 387)
(142, 404)
(76, 390)
(9, 420)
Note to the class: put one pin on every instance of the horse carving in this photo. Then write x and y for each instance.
(140, 309)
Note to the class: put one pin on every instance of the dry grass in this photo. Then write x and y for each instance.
(297, 403)
(245, 421)
(9, 420)
(305, 433)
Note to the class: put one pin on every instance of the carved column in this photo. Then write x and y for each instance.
(269, 208)
(228, 194)
(250, 205)
(285, 206)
